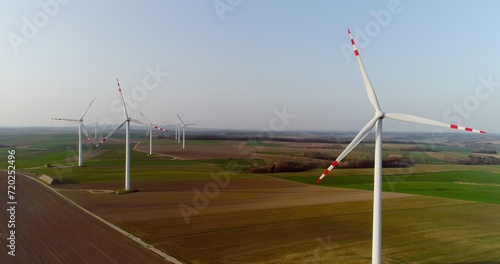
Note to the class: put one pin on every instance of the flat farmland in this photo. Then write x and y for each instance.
(202, 205)
(50, 230)
(268, 220)
(232, 149)
(195, 150)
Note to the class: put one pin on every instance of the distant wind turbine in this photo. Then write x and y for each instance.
(150, 132)
(96, 126)
(178, 130)
(80, 128)
(377, 122)
(125, 122)
(184, 125)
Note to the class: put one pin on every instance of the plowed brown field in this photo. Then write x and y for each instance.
(245, 221)
(50, 230)
(264, 220)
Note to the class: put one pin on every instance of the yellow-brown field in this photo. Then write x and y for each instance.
(268, 220)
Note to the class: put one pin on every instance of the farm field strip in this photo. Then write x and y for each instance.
(50, 230)
(276, 218)
(269, 220)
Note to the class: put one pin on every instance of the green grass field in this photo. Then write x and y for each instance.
(477, 185)
(108, 165)
(472, 183)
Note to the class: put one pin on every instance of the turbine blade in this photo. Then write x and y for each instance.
(368, 85)
(66, 119)
(159, 128)
(359, 137)
(425, 121)
(146, 118)
(111, 133)
(123, 101)
(85, 131)
(139, 122)
(97, 124)
(180, 118)
(84, 113)
(147, 133)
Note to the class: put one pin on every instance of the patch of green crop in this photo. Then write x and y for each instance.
(481, 186)
(203, 142)
(254, 143)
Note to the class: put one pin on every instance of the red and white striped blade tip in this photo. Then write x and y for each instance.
(333, 165)
(468, 129)
(157, 127)
(102, 141)
(353, 43)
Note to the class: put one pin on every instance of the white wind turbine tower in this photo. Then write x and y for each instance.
(183, 131)
(178, 131)
(150, 132)
(125, 122)
(377, 122)
(96, 125)
(80, 128)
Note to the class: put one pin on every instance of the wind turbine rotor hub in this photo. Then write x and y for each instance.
(380, 114)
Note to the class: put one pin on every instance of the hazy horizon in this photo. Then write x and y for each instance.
(243, 65)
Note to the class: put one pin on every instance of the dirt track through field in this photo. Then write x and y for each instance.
(50, 230)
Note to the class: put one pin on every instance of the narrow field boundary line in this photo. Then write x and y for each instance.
(123, 232)
(480, 184)
(159, 154)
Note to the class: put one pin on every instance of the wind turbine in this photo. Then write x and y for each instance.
(96, 125)
(183, 131)
(178, 131)
(150, 132)
(125, 122)
(377, 122)
(80, 128)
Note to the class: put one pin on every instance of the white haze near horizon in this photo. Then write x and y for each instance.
(239, 64)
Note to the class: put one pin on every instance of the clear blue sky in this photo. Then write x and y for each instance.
(229, 63)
